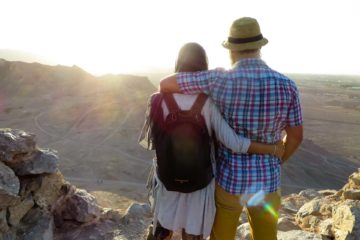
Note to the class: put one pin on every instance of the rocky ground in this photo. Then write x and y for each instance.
(36, 203)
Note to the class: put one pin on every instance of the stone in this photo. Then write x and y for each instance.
(49, 191)
(355, 178)
(287, 223)
(298, 235)
(346, 217)
(9, 186)
(38, 225)
(325, 228)
(353, 194)
(39, 162)
(319, 207)
(111, 214)
(292, 203)
(4, 227)
(137, 211)
(79, 206)
(309, 193)
(310, 208)
(30, 184)
(7, 236)
(18, 211)
(327, 192)
(15, 144)
(243, 232)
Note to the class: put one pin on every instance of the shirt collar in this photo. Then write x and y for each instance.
(249, 62)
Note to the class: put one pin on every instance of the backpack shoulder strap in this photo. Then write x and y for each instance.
(170, 102)
(199, 103)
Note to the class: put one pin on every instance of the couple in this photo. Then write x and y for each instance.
(258, 103)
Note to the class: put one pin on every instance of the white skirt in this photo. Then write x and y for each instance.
(194, 212)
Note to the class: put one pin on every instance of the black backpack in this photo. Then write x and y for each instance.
(183, 147)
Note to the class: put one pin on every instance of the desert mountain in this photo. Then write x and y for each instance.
(93, 123)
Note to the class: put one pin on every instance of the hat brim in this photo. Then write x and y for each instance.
(245, 46)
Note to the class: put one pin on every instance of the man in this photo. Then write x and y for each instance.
(259, 103)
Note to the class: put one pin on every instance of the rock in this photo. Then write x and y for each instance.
(4, 227)
(309, 193)
(327, 192)
(287, 223)
(79, 206)
(30, 184)
(49, 190)
(137, 211)
(346, 218)
(310, 208)
(18, 211)
(9, 186)
(15, 144)
(39, 162)
(243, 217)
(355, 178)
(7, 236)
(325, 228)
(292, 203)
(111, 214)
(353, 194)
(243, 232)
(298, 235)
(38, 225)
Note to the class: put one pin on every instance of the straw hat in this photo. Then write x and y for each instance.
(245, 34)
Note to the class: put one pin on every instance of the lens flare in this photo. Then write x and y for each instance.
(258, 199)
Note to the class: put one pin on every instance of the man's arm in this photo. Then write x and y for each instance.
(293, 140)
(169, 84)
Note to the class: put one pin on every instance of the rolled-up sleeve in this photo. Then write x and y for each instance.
(295, 113)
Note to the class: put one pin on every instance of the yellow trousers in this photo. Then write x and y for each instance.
(262, 218)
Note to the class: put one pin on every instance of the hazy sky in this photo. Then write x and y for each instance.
(122, 36)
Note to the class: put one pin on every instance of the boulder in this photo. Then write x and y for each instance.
(353, 194)
(9, 186)
(15, 144)
(37, 225)
(18, 211)
(39, 162)
(346, 217)
(243, 232)
(4, 227)
(292, 203)
(310, 208)
(49, 191)
(137, 211)
(7, 236)
(325, 228)
(287, 223)
(80, 206)
(327, 192)
(309, 193)
(298, 235)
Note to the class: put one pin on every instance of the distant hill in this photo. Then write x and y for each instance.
(18, 55)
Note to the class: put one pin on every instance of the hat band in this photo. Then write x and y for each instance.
(245, 40)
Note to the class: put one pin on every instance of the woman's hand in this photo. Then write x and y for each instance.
(279, 149)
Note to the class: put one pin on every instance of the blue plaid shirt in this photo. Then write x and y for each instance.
(258, 103)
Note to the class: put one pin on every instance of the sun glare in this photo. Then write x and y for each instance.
(127, 36)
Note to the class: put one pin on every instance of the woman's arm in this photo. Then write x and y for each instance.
(225, 134)
(276, 149)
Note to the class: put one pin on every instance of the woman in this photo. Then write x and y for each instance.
(192, 213)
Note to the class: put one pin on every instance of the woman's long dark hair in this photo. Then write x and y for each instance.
(191, 58)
